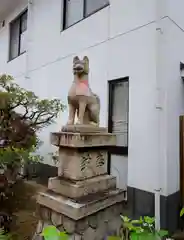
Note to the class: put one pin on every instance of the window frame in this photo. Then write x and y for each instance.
(64, 27)
(18, 18)
(120, 150)
(116, 150)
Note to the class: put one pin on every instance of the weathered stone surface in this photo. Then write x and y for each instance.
(69, 225)
(101, 231)
(77, 189)
(46, 224)
(39, 226)
(37, 237)
(75, 237)
(93, 221)
(81, 225)
(94, 227)
(77, 165)
(114, 225)
(38, 211)
(45, 213)
(117, 209)
(56, 218)
(107, 214)
(78, 140)
(61, 228)
(99, 216)
(79, 210)
(89, 234)
(84, 128)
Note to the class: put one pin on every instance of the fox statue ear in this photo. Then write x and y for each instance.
(76, 58)
(86, 59)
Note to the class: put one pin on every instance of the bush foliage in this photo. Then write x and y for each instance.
(22, 114)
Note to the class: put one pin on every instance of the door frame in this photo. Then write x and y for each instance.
(117, 150)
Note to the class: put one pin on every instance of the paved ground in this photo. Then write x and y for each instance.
(25, 210)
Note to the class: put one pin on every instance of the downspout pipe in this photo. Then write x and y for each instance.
(30, 4)
(159, 112)
(26, 74)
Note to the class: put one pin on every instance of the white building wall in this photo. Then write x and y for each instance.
(174, 11)
(119, 41)
(173, 53)
(18, 66)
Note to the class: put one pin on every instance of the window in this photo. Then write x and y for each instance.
(92, 6)
(118, 113)
(76, 10)
(18, 36)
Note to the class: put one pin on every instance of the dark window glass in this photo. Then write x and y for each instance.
(92, 6)
(14, 39)
(23, 22)
(18, 36)
(76, 10)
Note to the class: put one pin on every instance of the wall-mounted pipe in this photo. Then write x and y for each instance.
(159, 110)
(29, 22)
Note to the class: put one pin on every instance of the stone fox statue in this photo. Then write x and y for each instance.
(81, 99)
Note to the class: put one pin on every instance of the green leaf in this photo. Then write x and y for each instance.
(128, 225)
(163, 233)
(63, 236)
(139, 230)
(136, 222)
(51, 233)
(125, 218)
(182, 212)
(134, 236)
(4, 236)
(149, 220)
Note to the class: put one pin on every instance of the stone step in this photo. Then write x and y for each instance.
(79, 209)
(78, 189)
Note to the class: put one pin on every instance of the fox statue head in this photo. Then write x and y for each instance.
(80, 67)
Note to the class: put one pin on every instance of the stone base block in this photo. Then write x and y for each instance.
(83, 139)
(78, 189)
(98, 226)
(84, 206)
(83, 128)
(77, 165)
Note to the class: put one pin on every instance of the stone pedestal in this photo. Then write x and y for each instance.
(83, 200)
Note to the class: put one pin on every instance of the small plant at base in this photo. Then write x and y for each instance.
(141, 229)
(182, 212)
(4, 236)
(52, 233)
